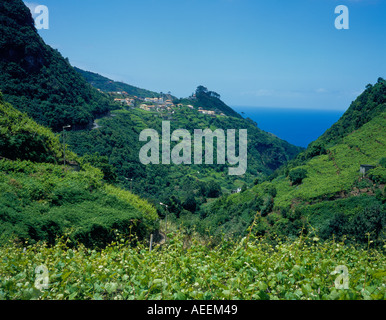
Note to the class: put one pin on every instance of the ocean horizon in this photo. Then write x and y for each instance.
(296, 126)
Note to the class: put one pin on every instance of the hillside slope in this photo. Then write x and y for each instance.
(203, 98)
(107, 85)
(367, 106)
(321, 191)
(210, 100)
(41, 83)
(37, 80)
(117, 138)
(42, 200)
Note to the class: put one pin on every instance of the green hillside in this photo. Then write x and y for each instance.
(42, 200)
(23, 138)
(283, 230)
(367, 106)
(117, 139)
(37, 80)
(209, 100)
(107, 85)
(322, 191)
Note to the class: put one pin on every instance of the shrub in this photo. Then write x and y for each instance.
(378, 175)
(382, 162)
(296, 176)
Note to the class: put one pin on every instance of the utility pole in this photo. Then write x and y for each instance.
(64, 144)
(131, 184)
(151, 242)
(166, 219)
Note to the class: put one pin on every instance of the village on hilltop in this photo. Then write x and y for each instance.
(157, 104)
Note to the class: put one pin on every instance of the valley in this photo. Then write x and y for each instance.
(130, 203)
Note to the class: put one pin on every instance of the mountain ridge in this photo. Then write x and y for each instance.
(108, 85)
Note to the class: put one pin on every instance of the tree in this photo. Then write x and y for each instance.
(371, 220)
(296, 176)
(335, 226)
(213, 189)
(316, 149)
(201, 89)
(382, 162)
(214, 94)
(102, 163)
(190, 204)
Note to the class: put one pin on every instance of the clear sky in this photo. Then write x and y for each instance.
(273, 53)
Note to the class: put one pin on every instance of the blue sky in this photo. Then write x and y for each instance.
(275, 53)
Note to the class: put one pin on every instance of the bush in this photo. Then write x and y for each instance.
(190, 204)
(336, 226)
(382, 162)
(315, 149)
(378, 175)
(40, 202)
(372, 220)
(214, 189)
(296, 176)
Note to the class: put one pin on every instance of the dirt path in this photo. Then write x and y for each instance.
(162, 239)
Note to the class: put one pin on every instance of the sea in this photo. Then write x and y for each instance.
(297, 126)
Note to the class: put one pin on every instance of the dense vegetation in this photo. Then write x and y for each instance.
(117, 139)
(209, 100)
(37, 80)
(295, 225)
(367, 106)
(41, 200)
(321, 186)
(23, 138)
(250, 269)
(107, 85)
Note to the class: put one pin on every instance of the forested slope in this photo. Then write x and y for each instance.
(321, 190)
(37, 80)
(41, 199)
(107, 85)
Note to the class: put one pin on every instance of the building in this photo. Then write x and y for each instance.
(127, 101)
(238, 190)
(210, 112)
(144, 107)
(364, 168)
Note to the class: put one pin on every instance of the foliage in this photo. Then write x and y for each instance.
(378, 175)
(23, 138)
(102, 163)
(117, 139)
(108, 85)
(337, 172)
(297, 175)
(368, 105)
(37, 80)
(45, 201)
(249, 269)
(382, 162)
(332, 197)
